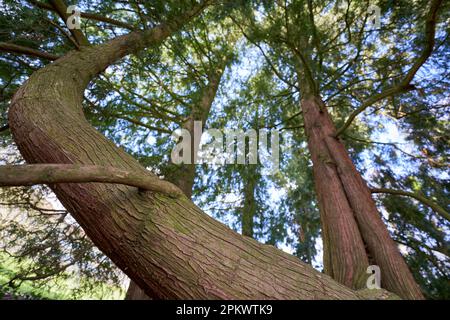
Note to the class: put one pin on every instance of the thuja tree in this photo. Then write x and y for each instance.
(166, 244)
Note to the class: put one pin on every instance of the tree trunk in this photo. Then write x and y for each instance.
(249, 207)
(185, 174)
(134, 292)
(354, 235)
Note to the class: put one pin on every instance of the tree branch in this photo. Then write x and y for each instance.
(437, 208)
(431, 161)
(67, 35)
(307, 70)
(27, 175)
(14, 48)
(139, 123)
(90, 16)
(404, 85)
(60, 7)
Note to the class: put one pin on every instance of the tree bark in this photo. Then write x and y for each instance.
(28, 175)
(353, 233)
(344, 255)
(185, 174)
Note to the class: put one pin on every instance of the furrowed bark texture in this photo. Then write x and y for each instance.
(185, 174)
(353, 232)
(27, 175)
(344, 257)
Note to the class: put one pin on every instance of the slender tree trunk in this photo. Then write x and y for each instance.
(353, 233)
(249, 207)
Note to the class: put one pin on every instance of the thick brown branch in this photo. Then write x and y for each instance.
(437, 208)
(14, 48)
(27, 175)
(404, 85)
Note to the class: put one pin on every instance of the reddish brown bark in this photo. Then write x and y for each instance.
(184, 175)
(344, 254)
(353, 231)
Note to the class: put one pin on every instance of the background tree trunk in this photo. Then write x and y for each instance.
(249, 207)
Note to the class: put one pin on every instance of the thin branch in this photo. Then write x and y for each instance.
(414, 244)
(437, 208)
(345, 67)
(302, 59)
(154, 106)
(293, 128)
(27, 175)
(14, 48)
(139, 123)
(269, 62)
(404, 85)
(39, 276)
(68, 36)
(284, 121)
(431, 161)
